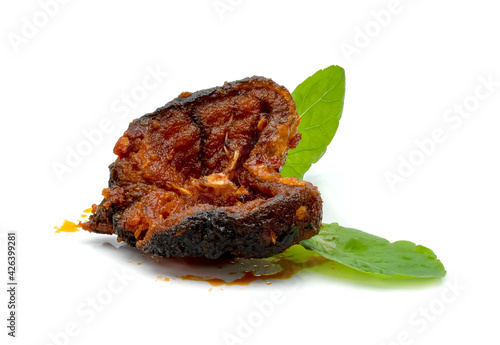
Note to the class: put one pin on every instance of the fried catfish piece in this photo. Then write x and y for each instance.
(200, 177)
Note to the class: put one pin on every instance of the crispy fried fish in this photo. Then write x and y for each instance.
(200, 177)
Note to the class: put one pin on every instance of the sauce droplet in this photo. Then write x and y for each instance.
(67, 227)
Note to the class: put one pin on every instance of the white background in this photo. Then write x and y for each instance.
(66, 75)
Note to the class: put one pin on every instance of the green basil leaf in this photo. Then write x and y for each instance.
(372, 254)
(319, 100)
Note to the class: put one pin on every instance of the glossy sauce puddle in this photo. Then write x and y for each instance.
(288, 269)
(280, 267)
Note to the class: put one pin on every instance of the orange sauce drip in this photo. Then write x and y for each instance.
(163, 278)
(67, 227)
(70, 226)
(289, 268)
